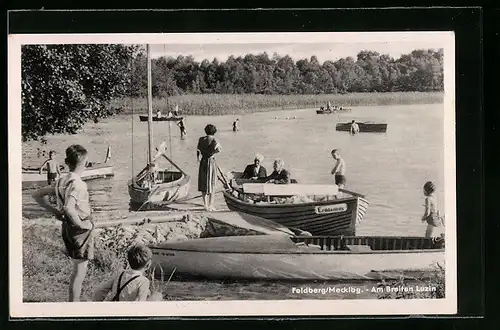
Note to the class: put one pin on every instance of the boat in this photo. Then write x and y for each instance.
(155, 186)
(300, 258)
(329, 112)
(145, 118)
(320, 216)
(33, 178)
(364, 127)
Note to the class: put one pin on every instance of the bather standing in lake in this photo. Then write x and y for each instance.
(207, 148)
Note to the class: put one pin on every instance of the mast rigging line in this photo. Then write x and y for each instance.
(168, 109)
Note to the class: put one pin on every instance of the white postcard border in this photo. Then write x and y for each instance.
(18, 308)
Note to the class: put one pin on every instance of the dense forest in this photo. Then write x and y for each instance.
(419, 71)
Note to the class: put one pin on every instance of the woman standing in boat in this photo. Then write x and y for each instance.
(207, 148)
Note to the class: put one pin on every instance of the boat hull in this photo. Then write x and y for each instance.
(336, 217)
(33, 178)
(165, 193)
(266, 257)
(331, 112)
(145, 118)
(363, 127)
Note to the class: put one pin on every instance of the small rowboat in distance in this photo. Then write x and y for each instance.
(279, 257)
(145, 118)
(364, 127)
(330, 112)
(318, 216)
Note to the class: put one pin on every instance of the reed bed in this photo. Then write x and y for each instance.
(225, 104)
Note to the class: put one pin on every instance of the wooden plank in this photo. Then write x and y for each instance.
(289, 189)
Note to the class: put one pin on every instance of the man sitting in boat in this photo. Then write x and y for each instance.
(279, 175)
(158, 114)
(255, 171)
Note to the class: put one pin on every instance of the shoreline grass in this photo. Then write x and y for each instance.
(224, 104)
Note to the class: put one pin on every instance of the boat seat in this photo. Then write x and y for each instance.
(358, 248)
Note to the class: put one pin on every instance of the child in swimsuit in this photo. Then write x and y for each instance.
(73, 209)
(53, 170)
(131, 284)
(431, 214)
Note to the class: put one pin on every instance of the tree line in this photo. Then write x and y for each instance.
(64, 86)
(419, 71)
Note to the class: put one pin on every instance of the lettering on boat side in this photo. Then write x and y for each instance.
(330, 208)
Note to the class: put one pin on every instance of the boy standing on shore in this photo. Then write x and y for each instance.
(131, 284)
(73, 209)
(53, 170)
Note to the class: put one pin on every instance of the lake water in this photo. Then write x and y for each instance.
(389, 168)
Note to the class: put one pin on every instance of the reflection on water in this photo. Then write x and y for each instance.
(389, 168)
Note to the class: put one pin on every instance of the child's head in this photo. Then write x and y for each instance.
(335, 153)
(76, 155)
(210, 129)
(52, 153)
(429, 188)
(139, 257)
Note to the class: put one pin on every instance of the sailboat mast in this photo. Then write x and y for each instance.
(150, 108)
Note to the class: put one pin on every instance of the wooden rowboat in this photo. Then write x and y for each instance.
(321, 217)
(171, 186)
(364, 127)
(279, 257)
(145, 118)
(330, 112)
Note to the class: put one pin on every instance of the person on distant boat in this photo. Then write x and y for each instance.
(176, 110)
(431, 213)
(339, 168)
(170, 115)
(354, 128)
(235, 125)
(279, 175)
(53, 168)
(207, 148)
(182, 127)
(255, 171)
(328, 106)
(158, 114)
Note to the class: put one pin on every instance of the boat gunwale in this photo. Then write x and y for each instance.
(355, 199)
(184, 179)
(291, 252)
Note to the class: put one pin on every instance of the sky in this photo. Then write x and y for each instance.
(323, 51)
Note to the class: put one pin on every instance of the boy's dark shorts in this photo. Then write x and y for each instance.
(79, 243)
(51, 177)
(340, 179)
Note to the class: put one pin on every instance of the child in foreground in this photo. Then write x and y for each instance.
(131, 284)
(73, 209)
(431, 213)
